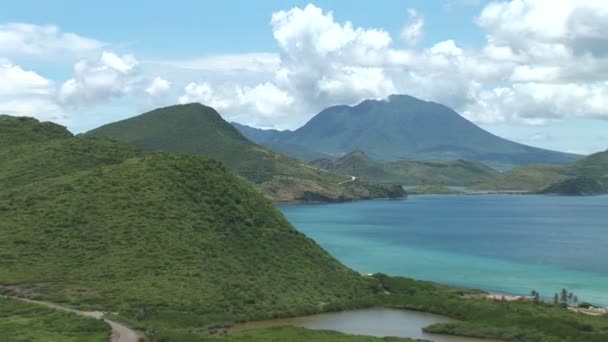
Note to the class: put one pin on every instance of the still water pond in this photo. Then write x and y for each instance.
(372, 322)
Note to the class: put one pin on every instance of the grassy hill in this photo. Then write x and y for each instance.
(578, 186)
(453, 172)
(405, 128)
(542, 176)
(199, 130)
(165, 240)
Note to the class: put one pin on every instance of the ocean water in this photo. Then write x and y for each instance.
(503, 243)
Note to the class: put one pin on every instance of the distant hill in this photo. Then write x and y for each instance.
(578, 186)
(168, 241)
(199, 130)
(454, 172)
(405, 128)
(540, 177)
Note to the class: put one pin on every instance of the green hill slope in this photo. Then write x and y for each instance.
(578, 186)
(25, 322)
(454, 172)
(199, 130)
(539, 177)
(169, 241)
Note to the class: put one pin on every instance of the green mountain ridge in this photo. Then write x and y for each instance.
(172, 243)
(454, 172)
(405, 128)
(200, 130)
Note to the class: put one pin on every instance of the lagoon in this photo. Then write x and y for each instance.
(509, 244)
(373, 322)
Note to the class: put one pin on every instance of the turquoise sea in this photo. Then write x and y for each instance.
(504, 243)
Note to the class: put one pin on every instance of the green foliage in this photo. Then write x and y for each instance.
(169, 242)
(15, 130)
(25, 322)
(199, 130)
(481, 317)
(578, 186)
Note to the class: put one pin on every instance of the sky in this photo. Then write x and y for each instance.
(534, 71)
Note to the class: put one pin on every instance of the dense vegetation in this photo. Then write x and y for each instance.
(513, 321)
(172, 242)
(405, 128)
(578, 186)
(590, 172)
(177, 246)
(25, 322)
(198, 130)
(453, 172)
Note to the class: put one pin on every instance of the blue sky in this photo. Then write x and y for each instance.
(505, 65)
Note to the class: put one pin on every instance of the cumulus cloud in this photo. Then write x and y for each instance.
(14, 80)
(91, 83)
(532, 68)
(18, 39)
(158, 87)
(412, 32)
(27, 93)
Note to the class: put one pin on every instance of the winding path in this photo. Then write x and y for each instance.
(120, 332)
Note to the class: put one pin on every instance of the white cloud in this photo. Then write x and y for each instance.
(16, 81)
(254, 62)
(533, 68)
(18, 39)
(26, 93)
(446, 47)
(412, 32)
(111, 76)
(158, 87)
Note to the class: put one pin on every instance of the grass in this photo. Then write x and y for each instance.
(25, 322)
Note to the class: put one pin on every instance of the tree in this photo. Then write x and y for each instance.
(575, 300)
(556, 299)
(564, 296)
(535, 296)
(570, 297)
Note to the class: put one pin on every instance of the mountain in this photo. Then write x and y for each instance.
(453, 172)
(170, 243)
(541, 176)
(273, 139)
(405, 128)
(199, 130)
